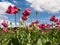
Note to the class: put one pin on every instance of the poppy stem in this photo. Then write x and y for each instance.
(15, 20)
(19, 15)
(36, 15)
(19, 18)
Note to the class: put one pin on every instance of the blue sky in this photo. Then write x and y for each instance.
(43, 16)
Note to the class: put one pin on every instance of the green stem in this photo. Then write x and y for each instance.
(29, 38)
(19, 18)
(15, 20)
(36, 15)
(1, 42)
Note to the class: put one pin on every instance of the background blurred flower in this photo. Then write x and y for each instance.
(4, 23)
(32, 23)
(5, 26)
(41, 26)
(56, 20)
(5, 29)
(52, 18)
(48, 25)
(57, 23)
(36, 22)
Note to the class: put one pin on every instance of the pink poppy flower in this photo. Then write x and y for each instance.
(36, 22)
(26, 12)
(41, 26)
(5, 29)
(9, 10)
(52, 18)
(12, 10)
(4, 24)
(58, 23)
(48, 26)
(56, 20)
(24, 18)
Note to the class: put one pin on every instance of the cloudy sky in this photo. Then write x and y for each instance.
(45, 8)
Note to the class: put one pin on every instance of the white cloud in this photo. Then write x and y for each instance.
(4, 6)
(3, 17)
(9, 25)
(13, 24)
(52, 6)
(15, 2)
(4, 0)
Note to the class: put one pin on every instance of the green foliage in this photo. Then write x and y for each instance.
(29, 36)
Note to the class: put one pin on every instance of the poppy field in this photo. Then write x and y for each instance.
(32, 34)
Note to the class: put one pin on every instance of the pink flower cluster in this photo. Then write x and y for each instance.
(42, 26)
(54, 19)
(26, 13)
(5, 26)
